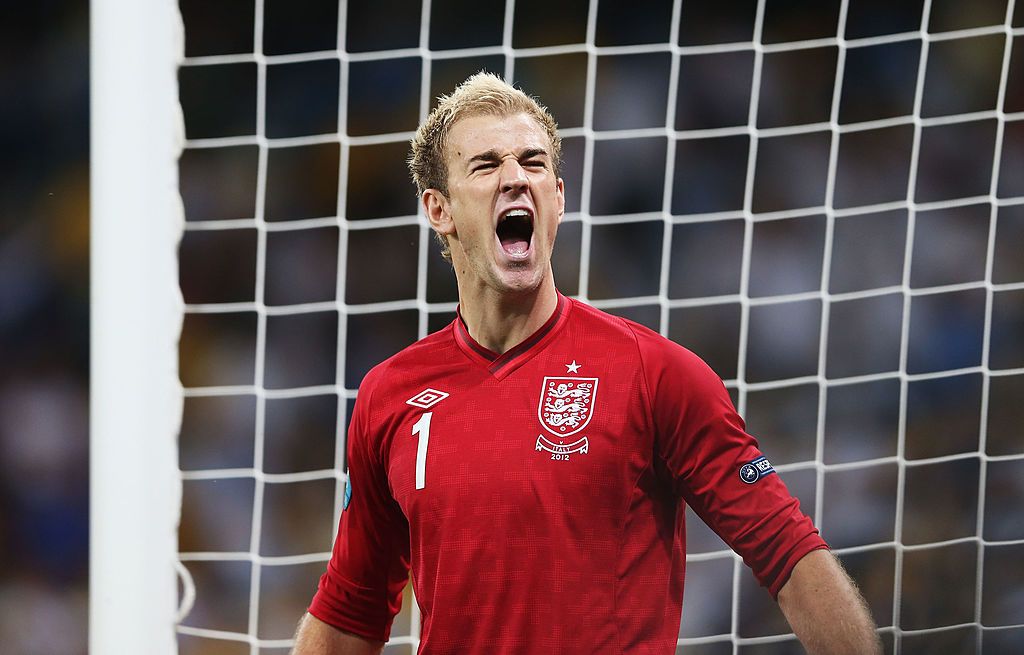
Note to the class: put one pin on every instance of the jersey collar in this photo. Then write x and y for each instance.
(502, 365)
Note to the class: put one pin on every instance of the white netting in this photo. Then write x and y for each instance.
(825, 200)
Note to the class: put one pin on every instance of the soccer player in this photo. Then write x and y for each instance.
(532, 461)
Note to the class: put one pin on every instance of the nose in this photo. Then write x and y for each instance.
(513, 177)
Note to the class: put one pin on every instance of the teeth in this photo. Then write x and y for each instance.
(517, 213)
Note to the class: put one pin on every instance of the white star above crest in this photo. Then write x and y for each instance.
(573, 368)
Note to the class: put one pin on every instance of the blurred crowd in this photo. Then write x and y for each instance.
(44, 331)
(821, 293)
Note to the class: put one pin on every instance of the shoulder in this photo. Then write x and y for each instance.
(592, 318)
(386, 389)
(410, 364)
(675, 379)
(654, 350)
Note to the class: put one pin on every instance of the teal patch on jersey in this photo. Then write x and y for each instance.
(348, 495)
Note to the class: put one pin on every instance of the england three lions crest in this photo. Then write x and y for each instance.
(566, 406)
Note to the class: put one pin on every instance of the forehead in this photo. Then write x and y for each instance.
(473, 135)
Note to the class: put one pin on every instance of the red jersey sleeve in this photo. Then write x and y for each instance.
(361, 592)
(711, 460)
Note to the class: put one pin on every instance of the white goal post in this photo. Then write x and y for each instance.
(135, 406)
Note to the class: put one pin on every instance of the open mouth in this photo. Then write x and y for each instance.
(515, 231)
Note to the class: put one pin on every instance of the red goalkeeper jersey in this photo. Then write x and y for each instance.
(539, 495)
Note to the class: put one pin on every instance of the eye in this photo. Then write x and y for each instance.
(534, 163)
(484, 166)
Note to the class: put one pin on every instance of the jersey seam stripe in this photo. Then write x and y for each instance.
(648, 406)
(370, 405)
(649, 402)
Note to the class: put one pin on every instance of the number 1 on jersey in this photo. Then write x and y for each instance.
(422, 428)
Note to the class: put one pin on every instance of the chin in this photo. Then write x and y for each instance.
(523, 280)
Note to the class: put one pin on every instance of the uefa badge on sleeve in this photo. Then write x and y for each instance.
(754, 470)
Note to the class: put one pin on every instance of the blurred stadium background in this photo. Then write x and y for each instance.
(44, 330)
(850, 231)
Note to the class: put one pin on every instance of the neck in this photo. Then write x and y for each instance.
(499, 321)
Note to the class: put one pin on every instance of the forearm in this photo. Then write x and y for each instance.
(825, 609)
(314, 637)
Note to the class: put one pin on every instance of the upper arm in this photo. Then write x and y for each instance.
(315, 637)
(361, 591)
(704, 445)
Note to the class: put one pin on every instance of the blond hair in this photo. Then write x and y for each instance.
(481, 94)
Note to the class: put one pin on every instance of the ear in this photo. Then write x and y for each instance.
(560, 194)
(438, 211)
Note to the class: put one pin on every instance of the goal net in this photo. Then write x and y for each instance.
(822, 199)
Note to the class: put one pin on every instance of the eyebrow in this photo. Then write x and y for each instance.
(493, 156)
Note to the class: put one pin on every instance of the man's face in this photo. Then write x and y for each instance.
(504, 202)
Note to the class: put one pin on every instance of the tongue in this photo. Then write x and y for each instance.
(514, 245)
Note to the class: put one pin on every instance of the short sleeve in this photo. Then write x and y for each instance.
(705, 448)
(361, 591)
